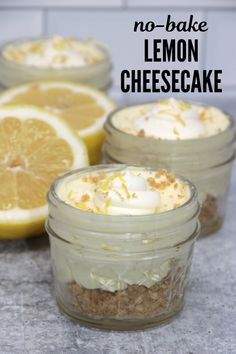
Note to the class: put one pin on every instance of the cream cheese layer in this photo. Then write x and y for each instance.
(131, 191)
(54, 52)
(171, 119)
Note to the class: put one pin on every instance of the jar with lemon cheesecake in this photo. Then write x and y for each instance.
(121, 244)
(193, 140)
(55, 58)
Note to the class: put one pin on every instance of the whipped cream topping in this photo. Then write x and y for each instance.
(171, 119)
(131, 191)
(54, 52)
(126, 194)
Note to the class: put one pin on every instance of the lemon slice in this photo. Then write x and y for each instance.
(35, 147)
(83, 107)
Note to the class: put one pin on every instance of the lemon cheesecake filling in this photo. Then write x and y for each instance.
(54, 52)
(171, 119)
(127, 192)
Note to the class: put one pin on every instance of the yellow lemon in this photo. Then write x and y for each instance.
(35, 147)
(83, 107)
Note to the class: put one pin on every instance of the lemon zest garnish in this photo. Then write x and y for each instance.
(184, 106)
(107, 204)
(174, 115)
(126, 190)
(69, 195)
(118, 193)
(165, 111)
(59, 43)
(105, 184)
(178, 117)
(175, 131)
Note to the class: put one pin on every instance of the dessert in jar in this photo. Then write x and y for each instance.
(190, 139)
(121, 244)
(55, 58)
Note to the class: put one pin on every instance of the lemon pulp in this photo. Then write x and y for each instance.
(84, 108)
(33, 152)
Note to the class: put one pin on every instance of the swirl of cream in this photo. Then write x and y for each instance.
(171, 119)
(126, 194)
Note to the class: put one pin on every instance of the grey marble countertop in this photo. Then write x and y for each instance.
(31, 323)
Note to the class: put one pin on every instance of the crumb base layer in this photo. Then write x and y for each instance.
(210, 216)
(136, 307)
(211, 228)
(120, 325)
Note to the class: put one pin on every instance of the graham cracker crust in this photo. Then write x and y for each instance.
(134, 302)
(209, 217)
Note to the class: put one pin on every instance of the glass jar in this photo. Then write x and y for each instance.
(207, 162)
(97, 75)
(120, 272)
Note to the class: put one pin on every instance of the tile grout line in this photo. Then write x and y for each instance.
(44, 21)
(124, 5)
(204, 43)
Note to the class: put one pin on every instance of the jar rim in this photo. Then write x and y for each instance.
(99, 45)
(53, 193)
(169, 141)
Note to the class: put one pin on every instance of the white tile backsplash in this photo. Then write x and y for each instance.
(118, 96)
(110, 3)
(183, 3)
(221, 46)
(20, 23)
(115, 29)
(60, 3)
(111, 21)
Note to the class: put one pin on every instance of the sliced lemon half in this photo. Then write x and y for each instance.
(83, 107)
(35, 147)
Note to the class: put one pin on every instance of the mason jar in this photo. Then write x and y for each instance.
(207, 162)
(120, 272)
(97, 75)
